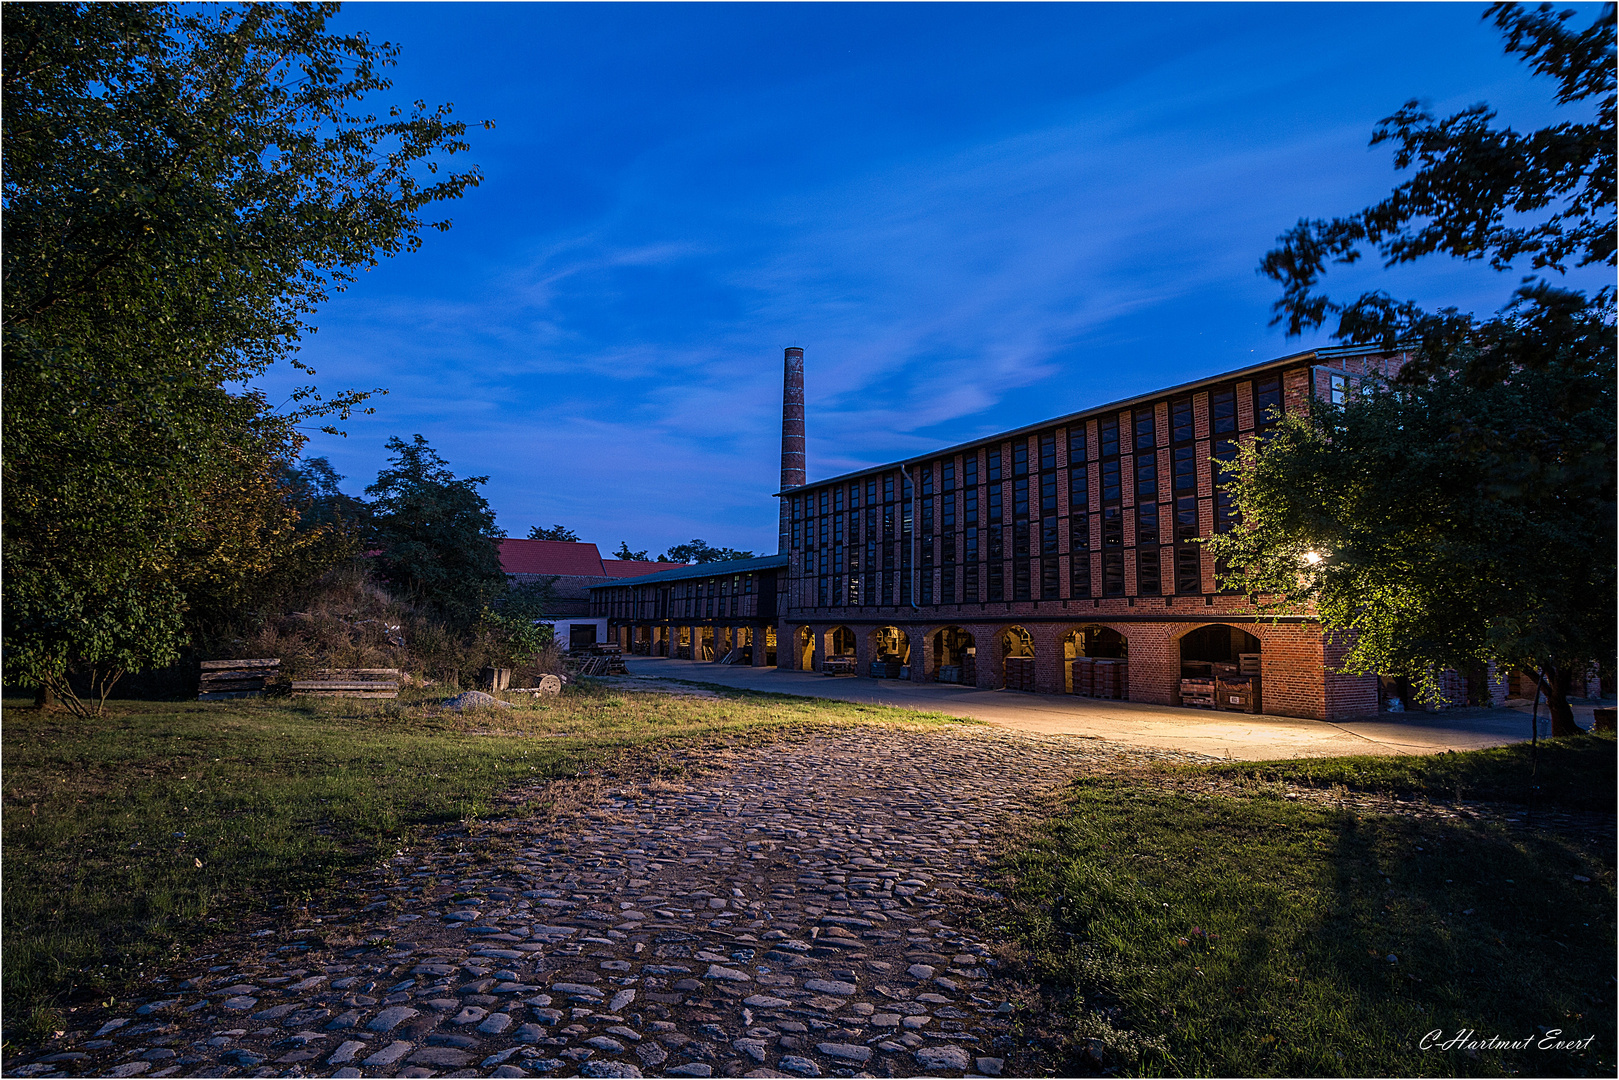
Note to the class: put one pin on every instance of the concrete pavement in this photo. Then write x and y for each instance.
(1218, 734)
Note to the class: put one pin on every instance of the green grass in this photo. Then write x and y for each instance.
(1576, 773)
(133, 837)
(1235, 936)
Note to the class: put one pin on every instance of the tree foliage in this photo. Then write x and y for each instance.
(436, 536)
(1466, 512)
(182, 186)
(555, 532)
(698, 551)
(625, 553)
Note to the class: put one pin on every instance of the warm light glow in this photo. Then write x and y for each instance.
(1312, 557)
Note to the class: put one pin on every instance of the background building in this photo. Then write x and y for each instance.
(571, 568)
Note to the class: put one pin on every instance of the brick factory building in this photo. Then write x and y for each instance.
(1057, 558)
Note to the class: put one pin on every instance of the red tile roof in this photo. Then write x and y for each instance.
(570, 560)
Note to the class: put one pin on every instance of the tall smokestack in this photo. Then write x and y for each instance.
(792, 419)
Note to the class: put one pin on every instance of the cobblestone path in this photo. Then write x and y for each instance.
(794, 911)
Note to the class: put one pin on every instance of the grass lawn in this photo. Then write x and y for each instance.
(131, 837)
(1572, 774)
(1245, 934)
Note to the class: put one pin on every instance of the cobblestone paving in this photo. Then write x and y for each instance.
(795, 911)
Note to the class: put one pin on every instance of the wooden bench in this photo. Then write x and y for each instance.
(226, 680)
(350, 683)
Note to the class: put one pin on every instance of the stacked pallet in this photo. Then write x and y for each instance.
(1082, 670)
(1020, 673)
(1197, 693)
(1112, 679)
(225, 680)
(350, 683)
(883, 669)
(1248, 663)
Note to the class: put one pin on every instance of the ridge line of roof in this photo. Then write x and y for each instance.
(712, 569)
(1333, 352)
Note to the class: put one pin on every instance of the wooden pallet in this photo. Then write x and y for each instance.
(227, 680)
(350, 683)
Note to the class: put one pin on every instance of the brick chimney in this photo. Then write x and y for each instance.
(792, 419)
(792, 432)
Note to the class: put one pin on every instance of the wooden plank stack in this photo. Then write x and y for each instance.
(1020, 673)
(1248, 663)
(226, 680)
(350, 683)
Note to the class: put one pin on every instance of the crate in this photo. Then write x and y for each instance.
(1237, 693)
(1248, 663)
(883, 670)
(948, 673)
(839, 665)
(1221, 670)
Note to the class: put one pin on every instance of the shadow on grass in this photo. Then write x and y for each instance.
(1220, 936)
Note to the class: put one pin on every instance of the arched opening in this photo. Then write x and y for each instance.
(1017, 652)
(890, 653)
(840, 652)
(1096, 663)
(1220, 669)
(955, 656)
(770, 646)
(806, 649)
(840, 641)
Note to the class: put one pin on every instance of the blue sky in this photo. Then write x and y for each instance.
(971, 217)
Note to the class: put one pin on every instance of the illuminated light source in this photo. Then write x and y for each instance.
(1313, 558)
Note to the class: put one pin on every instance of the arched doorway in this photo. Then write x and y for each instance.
(1017, 652)
(955, 656)
(1219, 669)
(839, 657)
(840, 641)
(890, 652)
(1096, 663)
(806, 649)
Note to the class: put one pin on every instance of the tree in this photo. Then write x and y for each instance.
(555, 532)
(436, 534)
(624, 552)
(698, 551)
(1464, 513)
(183, 185)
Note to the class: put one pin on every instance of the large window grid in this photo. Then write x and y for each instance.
(1079, 502)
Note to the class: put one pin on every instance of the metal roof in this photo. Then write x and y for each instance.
(701, 570)
(1324, 353)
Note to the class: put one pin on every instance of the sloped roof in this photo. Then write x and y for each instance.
(568, 559)
(628, 568)
(707, 569)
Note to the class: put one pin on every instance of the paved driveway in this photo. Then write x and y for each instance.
(1233, 735)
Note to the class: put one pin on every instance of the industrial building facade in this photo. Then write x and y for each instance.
(1058, 558)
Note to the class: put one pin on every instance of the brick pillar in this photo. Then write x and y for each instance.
(1047, 641)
